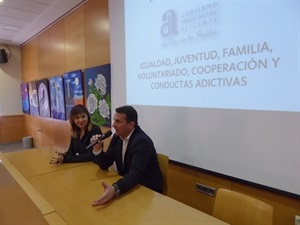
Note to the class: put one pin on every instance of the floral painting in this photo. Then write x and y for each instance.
(25, 98)
(43, 97)
(57, 99)
(73, 90)
(33, 98)
(97, 82)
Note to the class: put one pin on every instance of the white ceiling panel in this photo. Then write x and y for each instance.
(20, 20)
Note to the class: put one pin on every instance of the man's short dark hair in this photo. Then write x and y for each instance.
(130, 112)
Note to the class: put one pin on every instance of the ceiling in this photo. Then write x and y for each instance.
(20, 20)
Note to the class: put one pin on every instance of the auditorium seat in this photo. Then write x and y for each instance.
(164, 166)
(240, 209)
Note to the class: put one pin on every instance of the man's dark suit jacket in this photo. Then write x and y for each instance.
(140, 162)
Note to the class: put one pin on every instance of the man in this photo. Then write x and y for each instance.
(134, 154)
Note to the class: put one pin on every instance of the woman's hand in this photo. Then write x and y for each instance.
(58, 158)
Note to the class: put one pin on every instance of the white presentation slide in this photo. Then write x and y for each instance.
(213, 54)
(215, 83)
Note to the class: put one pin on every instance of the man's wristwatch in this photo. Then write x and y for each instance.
(117, 190)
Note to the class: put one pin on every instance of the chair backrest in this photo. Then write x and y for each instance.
(164, 166)
(240, 209)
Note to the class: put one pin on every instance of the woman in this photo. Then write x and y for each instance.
(82, 129)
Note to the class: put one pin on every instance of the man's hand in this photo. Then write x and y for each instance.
(98, 147)
(109, 192)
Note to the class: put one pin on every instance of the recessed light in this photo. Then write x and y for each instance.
(10, 27)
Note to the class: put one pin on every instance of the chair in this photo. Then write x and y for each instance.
(239, 209)
(164, 166)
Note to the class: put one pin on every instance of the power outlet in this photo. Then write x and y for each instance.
(205, 189)
(297, 220)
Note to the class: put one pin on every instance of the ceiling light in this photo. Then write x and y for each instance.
(10, 27)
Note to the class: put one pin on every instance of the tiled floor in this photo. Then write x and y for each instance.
(12, 147)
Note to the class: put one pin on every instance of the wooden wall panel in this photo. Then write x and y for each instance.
(181, 186)
(75, 40)
(43, 55)
(185, 179)
(27, 127)
(57, 52)
(61, 133)
(11, 129)
(45, 135)
(285, 208)
(32, 127)
(96, 33)
(29, 61)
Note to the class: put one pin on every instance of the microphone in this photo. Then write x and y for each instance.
(104, 136)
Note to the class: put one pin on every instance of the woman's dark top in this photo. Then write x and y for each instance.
(77, 151)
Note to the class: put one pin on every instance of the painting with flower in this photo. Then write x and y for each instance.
(97, 82)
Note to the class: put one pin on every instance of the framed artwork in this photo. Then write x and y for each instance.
(25, 98)
(97, 83)
(57, 100)
(73, 90)
(33, 98)
(43, 97)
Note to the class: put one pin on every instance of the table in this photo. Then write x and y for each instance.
(36, 161)
(71, 189)
(11, 194)
(20, 202)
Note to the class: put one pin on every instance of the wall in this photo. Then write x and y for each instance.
(11, 114)
(66, 46)
(10, 80)
(81, 40)
(182, 182)
(11, 129)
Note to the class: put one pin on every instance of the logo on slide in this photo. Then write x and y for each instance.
(188, 24)
(169, 26)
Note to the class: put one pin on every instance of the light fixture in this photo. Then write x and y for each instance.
(10, 27)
